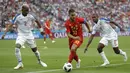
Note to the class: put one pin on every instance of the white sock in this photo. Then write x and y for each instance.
(103, 56)
(37, 55)
(121, 52)
(18, 54)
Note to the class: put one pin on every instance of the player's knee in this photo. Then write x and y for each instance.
(44, 35)
(73, 48)
(17, 50)
(18, 45)
(99, 50)
(50, 34)
(34, 49)
(116, 50)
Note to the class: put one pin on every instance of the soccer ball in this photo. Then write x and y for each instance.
(67, 67)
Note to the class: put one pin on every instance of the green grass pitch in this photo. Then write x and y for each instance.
(55, 55)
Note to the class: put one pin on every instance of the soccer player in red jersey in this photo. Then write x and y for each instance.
(48, 30)
(74, 31)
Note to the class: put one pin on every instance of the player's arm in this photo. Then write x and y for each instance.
(95, 28)
(87, 25)
(40, 28)
(10, 25)
(83, 20)
(89, 42)
(68, 32)
(73, 37)
(117, 25)
(7, 29)
(35, 18)
(46, 26)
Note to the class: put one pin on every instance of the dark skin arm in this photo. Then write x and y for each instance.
(117, 25)
(89, 42)
(87, 25)
(39, 25)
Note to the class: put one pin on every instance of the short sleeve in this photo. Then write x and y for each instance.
(96, 27)
(81, 20)
(15, 19)
(34, 16)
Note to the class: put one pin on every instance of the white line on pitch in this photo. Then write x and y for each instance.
(53, 70)
(44, 71)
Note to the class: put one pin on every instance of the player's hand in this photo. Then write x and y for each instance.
(48, 28)
(85, 49)
(77, 38)
(89, 31)
(3, 36)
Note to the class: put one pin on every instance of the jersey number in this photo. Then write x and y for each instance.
(77, 42)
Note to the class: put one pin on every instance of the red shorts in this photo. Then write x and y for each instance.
(47, 31)
(76, 42)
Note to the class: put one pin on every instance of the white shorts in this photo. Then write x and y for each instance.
(113, 41)
(24, 39)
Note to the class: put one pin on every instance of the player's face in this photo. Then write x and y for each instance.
(72, 16)
(95, 19)
(25, 10)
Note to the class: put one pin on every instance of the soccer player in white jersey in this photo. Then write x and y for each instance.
(23, 22)
(108, 34)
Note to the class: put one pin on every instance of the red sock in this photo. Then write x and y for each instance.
(76, 58)
(71, 56)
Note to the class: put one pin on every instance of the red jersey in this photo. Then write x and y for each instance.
(75, 28)
(47, 24)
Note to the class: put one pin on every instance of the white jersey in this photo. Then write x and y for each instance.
(24, 24)
(104, 28)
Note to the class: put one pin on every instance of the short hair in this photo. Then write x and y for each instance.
(95, 15)
(25, 5)
(71, 10)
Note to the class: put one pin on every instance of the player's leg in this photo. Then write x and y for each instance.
(19, 42)
(77, 60)
(101, 45)
(78, 43)
(117, 50)
(33, 46)
(51, 37)
(73, 55)
(44, 38)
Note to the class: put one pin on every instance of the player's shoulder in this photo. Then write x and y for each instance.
(78, 18)
(33, 16)
(105, 19)
(30, 15)
(17, 15)
(67, 21)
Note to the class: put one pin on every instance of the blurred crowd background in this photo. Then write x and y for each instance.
(118, 10)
